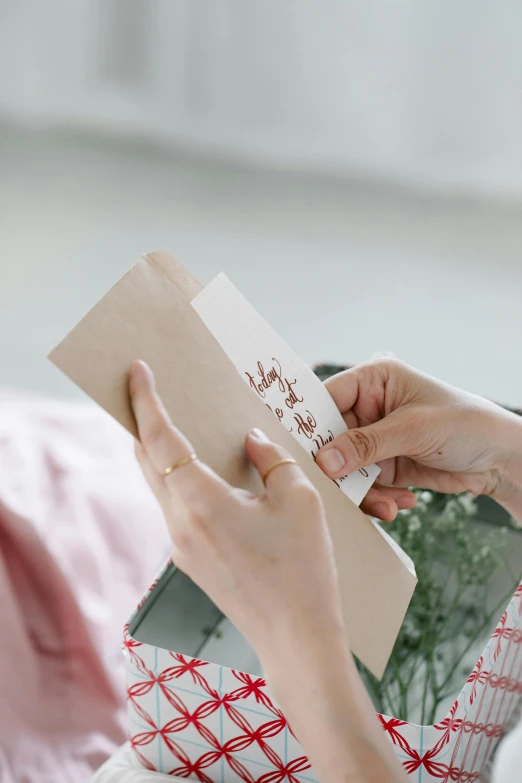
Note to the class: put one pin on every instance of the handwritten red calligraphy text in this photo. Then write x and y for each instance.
(264, 379)
(306, 426)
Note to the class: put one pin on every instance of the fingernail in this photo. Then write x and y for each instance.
(145, 367)
(138, 366)
(381, 510)
(406, 501)
(258, 435)
(331, 459)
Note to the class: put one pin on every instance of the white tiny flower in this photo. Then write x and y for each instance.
(426, 496)
(414, 524)
(468, 503)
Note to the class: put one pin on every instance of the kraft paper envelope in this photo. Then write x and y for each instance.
(147, 315)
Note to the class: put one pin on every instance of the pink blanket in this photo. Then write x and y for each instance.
(81, 538)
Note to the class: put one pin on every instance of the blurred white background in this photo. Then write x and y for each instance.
(355, 168)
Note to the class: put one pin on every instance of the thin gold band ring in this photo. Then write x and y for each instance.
(179, 464)
(286, 461)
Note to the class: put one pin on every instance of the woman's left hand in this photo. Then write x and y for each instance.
(265, 560)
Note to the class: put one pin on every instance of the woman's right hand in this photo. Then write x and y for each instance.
(423, 433)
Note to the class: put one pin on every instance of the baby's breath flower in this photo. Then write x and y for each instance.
(414, 524)
(468, 502)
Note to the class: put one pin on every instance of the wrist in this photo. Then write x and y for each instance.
(306, 676)
(304, 644)
(321, 694)
(508, 470)
(306, 656)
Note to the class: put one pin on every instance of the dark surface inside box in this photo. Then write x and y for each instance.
(178, 616)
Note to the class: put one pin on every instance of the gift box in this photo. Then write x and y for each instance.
(199, 708)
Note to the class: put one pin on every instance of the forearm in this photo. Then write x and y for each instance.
(321, 693)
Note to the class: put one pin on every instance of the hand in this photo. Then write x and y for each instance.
(267, 562)
(231, 541)
(422, 433)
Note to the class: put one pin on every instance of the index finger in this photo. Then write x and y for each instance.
(344, 388)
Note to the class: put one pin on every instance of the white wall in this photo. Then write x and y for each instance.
(417, 91)
(340, 272)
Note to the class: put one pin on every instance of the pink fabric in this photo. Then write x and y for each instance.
(81, 537)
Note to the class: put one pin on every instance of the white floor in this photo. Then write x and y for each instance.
(341, 270)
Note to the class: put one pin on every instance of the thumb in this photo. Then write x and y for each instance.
(392, 436)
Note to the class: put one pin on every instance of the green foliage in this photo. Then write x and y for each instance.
(450, 612)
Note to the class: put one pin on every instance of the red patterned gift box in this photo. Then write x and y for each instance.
(204, 721)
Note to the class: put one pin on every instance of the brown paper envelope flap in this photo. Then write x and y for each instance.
(175, 272)
(146, 317)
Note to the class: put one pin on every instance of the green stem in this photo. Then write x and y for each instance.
(393, 711)
(510, 570)
(457, 598)
(425, 692)
(376, 690)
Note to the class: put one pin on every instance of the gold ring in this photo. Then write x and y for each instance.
(286, 461)
(179, 464)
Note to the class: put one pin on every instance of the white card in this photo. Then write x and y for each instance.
(285, 384)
